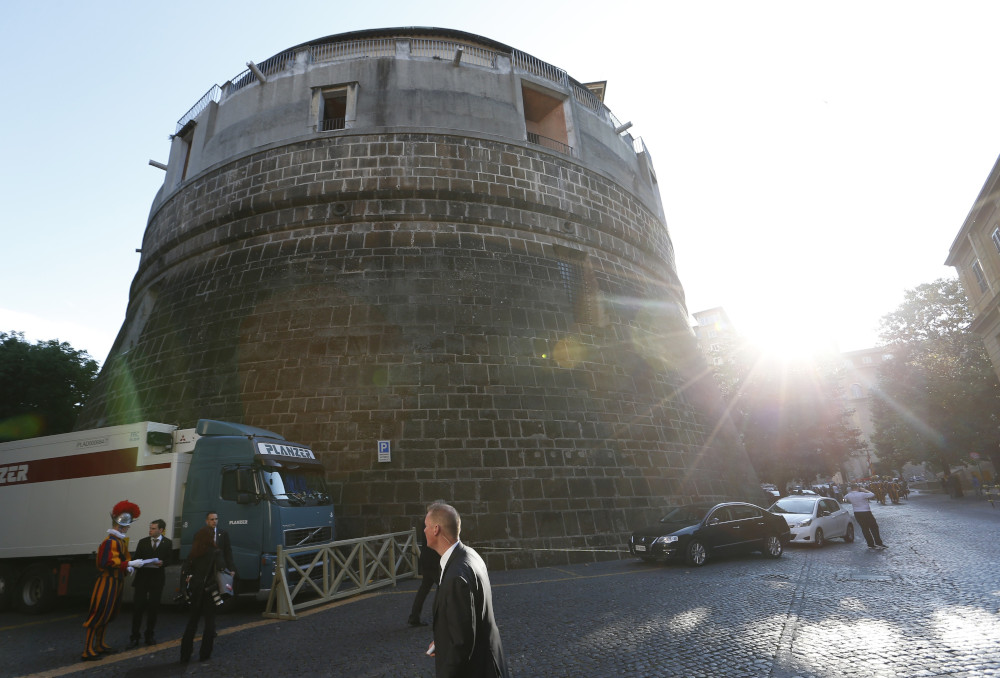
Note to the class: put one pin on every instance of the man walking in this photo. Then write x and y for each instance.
(466, 639)
(430, 570)
(858, 499)
(148, 582)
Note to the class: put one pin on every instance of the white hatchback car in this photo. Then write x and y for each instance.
(814, 519)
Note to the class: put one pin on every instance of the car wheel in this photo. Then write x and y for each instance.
(819, 540)
(695, 553)
(773, 547)
(849, 535)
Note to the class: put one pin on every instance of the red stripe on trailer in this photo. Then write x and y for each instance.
(88, 465)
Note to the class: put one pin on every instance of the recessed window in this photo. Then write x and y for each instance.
(577, 279)
(186, 135)
(334, 111)
(977, 270)
(334, 107)
(545, 120)
(866, 360)
(996, 238)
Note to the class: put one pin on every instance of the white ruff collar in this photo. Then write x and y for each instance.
(116, 533)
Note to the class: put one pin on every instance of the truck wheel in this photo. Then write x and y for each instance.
(8, 581)
(37, 590)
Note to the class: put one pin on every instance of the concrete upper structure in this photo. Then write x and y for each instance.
(412, 79)
(975, 253)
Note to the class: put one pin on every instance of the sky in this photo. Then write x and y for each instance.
(815, 159)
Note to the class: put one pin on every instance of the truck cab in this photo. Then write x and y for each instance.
(266, 491)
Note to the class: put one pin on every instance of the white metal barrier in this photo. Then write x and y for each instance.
(307, 576)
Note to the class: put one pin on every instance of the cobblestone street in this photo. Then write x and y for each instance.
(926, 606)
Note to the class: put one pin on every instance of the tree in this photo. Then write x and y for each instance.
(938, 397)
(791, 414)
(42, 386)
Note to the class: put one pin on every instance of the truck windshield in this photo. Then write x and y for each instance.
(296, 486)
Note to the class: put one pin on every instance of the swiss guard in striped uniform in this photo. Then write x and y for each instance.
(113, 563)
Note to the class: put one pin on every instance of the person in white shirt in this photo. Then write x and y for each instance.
(858, 499)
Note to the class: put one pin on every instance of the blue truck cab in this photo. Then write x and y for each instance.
(266, 491)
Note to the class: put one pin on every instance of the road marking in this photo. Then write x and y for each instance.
(131, 654)
(573, 578)
(36, 623)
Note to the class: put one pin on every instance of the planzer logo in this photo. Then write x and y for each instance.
(16, 473)
(279, 450)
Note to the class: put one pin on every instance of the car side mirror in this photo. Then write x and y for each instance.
(714, 521)
(824, 513)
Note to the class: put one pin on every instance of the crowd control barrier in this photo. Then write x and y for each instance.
(306, 576)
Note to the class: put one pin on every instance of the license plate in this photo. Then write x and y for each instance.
(639, 547)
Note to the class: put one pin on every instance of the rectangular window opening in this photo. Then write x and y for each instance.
(577, 281)
(545, 120)
(980, 278)
(334, 114)
(996, 239)
(186, 136)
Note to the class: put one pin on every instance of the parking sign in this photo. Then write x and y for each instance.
(383, 451)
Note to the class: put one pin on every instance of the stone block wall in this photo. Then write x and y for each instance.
(510, 320)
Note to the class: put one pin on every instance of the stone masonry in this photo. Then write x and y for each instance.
(507, 317)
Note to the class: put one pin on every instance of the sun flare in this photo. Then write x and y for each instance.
(790, 342)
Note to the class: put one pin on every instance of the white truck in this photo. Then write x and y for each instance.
(56, 494)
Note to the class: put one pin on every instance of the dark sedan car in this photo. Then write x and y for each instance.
(695, 532)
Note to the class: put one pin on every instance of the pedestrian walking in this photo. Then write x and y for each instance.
(466, 638)
(858, 500)
(201, 568)
(430, 570)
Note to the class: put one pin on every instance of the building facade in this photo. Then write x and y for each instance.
(975, 254)
(425, 237)
(859, 378)
(715, 333)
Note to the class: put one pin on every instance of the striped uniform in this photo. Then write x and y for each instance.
(112, 561)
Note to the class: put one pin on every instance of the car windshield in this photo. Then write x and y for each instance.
(685, 514)
(296, 486)
(793, 505)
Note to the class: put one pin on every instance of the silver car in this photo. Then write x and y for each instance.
(813, 519)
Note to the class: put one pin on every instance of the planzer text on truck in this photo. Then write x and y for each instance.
(54, 494)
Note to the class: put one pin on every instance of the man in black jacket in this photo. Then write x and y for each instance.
(466, 639)
(149, 580)
(221, 539)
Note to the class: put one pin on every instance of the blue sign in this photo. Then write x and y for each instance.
(383, 451)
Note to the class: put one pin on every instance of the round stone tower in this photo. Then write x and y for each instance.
(425, 237)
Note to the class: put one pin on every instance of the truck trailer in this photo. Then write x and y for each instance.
(56, 494)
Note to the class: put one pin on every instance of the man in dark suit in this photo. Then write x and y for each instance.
(466, 639)
(149, 580)
(221, 540)
(430, 569)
